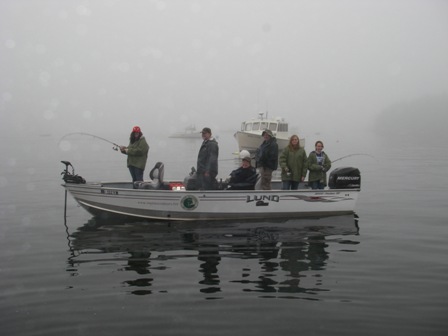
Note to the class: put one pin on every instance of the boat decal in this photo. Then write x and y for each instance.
(262, 200)
(189, 202)
(323, 199)
(109, 192)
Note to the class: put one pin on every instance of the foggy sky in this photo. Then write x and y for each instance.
(105, 66)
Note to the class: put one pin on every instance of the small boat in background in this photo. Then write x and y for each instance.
(190, 132)
(249, 136)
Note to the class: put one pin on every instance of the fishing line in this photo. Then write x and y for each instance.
(91, 135)
(346, 156)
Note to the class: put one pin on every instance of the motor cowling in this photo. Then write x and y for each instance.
(345, 178)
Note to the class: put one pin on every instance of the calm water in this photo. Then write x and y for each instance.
(385, 274)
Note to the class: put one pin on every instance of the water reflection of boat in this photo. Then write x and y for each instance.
(276, 255)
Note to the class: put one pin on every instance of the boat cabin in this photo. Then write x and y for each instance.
(260, 125)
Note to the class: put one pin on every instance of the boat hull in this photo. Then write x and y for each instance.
(184, 205)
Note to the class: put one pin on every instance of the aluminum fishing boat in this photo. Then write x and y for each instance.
(177, 201)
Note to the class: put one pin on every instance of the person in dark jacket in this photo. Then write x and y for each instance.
(137, 152)
(267, 159)
(318, 165)
(243, 178)
(207, 164)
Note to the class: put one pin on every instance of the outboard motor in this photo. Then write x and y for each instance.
(70, 177)
(345, 178)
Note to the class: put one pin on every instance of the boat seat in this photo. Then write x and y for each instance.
(156, 178)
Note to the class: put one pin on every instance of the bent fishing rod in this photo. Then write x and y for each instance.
(343, 157)
(92, 135)
(346, 156)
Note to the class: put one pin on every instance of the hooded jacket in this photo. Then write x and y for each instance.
(138, 153)
(208, 157)
(296, 162)
(267, 154)
(318, 172)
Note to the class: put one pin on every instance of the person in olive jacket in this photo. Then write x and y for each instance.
(137, 152)
(318, 165)
(267, 158)
(293, 162)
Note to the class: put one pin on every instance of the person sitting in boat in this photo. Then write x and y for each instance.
(243, 178)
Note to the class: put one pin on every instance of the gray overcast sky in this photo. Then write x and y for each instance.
(104, 66)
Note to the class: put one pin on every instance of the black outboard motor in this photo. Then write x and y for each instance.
(345, 178)
(70, 177)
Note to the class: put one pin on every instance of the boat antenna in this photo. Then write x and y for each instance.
(92, 135)
(267, 109)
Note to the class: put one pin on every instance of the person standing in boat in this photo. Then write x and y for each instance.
(266, 158)
(293, 162)
(207, 164)
(318, 165)
(137, 152)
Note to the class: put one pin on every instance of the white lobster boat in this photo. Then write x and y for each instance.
(172, 201)
(249, 136)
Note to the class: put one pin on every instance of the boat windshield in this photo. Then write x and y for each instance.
(283, 127)
(255, 126)
(273, 127)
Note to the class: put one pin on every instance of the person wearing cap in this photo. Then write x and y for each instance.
(294, 165)
(244, 177)
(267, 158)
(207, 163)
(137, 152)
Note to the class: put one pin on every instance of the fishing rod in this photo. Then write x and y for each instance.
(92, 135)
(346, 156)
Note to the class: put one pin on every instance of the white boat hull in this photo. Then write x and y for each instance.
(251, 141)
(184, 205)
